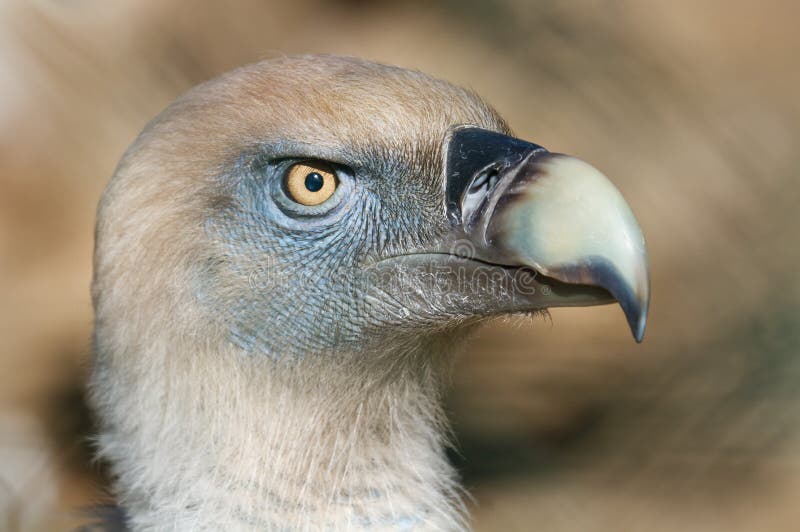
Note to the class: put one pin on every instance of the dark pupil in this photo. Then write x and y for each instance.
(314, 181)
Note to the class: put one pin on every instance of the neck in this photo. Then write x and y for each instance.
(223, 441)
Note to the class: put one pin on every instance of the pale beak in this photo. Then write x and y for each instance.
(520, 205)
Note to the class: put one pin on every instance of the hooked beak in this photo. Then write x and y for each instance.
(519, 205)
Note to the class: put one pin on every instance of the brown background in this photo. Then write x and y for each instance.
(564, 423)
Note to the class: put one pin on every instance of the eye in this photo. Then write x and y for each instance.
(310, 183)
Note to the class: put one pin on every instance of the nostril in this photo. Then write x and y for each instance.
(479, 182)
(486, 180)
(478, 193)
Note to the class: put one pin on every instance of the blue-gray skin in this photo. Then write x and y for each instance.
(307, 268)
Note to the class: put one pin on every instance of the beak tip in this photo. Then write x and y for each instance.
(637, 319)
(638, 330)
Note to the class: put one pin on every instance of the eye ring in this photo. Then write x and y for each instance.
(310, 183)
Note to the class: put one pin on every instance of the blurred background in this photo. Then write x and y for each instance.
(564, 424)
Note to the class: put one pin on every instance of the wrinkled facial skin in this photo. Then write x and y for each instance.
(308, 269)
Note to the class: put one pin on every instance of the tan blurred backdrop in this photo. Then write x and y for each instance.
(564, 423)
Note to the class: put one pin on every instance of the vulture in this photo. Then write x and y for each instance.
(286, 260)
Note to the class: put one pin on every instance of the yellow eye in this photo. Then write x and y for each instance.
(310, 183)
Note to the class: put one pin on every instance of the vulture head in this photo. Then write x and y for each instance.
(285, 259)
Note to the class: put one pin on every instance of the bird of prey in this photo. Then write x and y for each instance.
(286, 259)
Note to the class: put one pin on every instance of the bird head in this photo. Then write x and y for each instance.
(312, 206)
